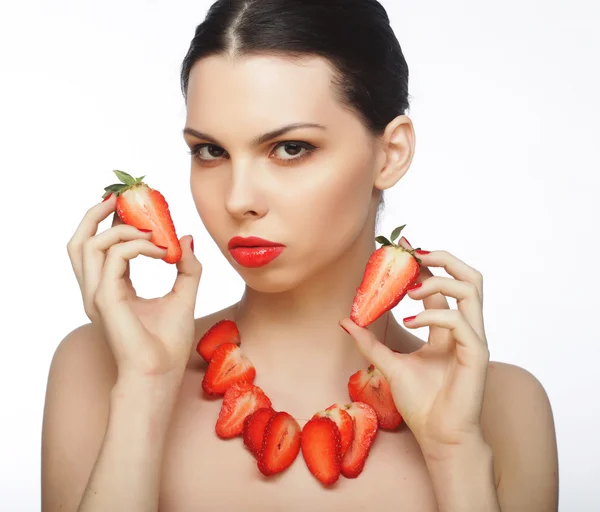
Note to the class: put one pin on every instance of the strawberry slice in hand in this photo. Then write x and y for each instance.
(254, 429)
(365, 430)
(224, 331)
(281, 444)
(228, 366)
(322, 450)
(390, 271)
(240, 400)
(371, 387)
(145, 208)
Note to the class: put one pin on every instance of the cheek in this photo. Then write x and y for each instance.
(208, 202)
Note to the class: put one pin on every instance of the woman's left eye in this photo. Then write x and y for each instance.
(292, 150)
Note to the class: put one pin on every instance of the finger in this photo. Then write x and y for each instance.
(470, 349)
(94, 253)
(434, 301)
(117, 257)
(87, 228)
(455, 267)
(466, 295)
(116, 221)
(189, 271)
(382, 357)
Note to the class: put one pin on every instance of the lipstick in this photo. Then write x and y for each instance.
(253, 252)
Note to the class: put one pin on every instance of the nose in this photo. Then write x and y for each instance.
(245, 198)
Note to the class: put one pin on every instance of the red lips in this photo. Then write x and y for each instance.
(251, 241)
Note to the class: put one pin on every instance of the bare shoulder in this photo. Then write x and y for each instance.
(82, 374)
(518, 424)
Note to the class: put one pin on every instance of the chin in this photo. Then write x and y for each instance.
(266, 280)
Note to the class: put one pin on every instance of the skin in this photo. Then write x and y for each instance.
(125, 424)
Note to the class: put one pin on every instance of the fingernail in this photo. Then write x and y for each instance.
(107, 197)
(145, 230)
(344, 329)
(422, 252)
(409, 318)
(161, 247)
(407, 241)
(415, 286)
(192, 244)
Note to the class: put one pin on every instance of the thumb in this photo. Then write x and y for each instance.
(189, 270)
(370, 347)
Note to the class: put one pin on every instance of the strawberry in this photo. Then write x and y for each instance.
(321, 449)
(254, 428)
(344, 423)
(281, 444)
(240, 400)
(371, 387)
(224, 331)
(145, 208)
(365, 430)
(391, 269)
(227, 366)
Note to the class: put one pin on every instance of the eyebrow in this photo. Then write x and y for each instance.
(261, 139)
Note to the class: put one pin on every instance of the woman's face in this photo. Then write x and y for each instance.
(309, 188)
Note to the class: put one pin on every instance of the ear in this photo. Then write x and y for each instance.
(398, 149)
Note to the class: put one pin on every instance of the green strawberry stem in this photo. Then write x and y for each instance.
(127, 182)
(395, 234)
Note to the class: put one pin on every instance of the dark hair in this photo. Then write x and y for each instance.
(353, 35)
(371, 76)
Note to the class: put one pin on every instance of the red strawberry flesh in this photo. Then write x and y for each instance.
(365, 431)
(239, 402)
(224, 331)
(227, 366)
(388, 274)
(321, 449)
(281, 444)
(254, 429)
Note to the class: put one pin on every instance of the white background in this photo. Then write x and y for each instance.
(506, 176)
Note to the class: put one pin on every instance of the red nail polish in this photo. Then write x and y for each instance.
(408, 241)
(409, 318)
(422, 252)
(415, 286)
(344, 329)
(161, 247)
(145, 230)
(192, 244)
(107, 197)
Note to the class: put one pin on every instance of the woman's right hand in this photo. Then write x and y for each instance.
(148, 337)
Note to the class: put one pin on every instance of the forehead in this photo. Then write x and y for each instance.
(260, 91)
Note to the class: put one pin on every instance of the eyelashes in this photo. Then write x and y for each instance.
(207, 154)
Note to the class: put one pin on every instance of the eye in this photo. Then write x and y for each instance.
(292, 150)
(207, 152)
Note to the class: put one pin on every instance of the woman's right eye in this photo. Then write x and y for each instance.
(207, 152)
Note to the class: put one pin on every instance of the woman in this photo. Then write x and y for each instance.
(296, 124)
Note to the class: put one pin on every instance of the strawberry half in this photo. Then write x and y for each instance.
(240, 400)
(146, 208)
(391, 269)
(372, 388)
(224, 331)
(344, 423)
(321, 449)
(281, 444)
(227, 366)
(365, 430)
(254, 428)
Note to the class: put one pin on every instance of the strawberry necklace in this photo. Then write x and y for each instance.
(334, 441)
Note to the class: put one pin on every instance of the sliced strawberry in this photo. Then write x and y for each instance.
(281, 444)
(321, 449)
(390, 271)
(365, 430)
(227, 366)
(146, 208)
(254, 428)
(371, 387)
(240, 400)
(224, 331)
(344, 423)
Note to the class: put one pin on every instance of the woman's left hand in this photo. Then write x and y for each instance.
(438, 389)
